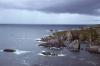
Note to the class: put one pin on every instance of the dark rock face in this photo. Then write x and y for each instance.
(51, 45)
(49, 54)
(45, 45)
(46, 53)
(74, 45)
(9, 50)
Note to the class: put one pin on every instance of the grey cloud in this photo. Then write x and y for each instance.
(81, 7)
(55, 6)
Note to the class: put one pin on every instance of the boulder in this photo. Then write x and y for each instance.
(9, 50)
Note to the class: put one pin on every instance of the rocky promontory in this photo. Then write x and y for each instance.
(72, 39)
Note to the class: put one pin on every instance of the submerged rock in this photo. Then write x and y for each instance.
(55, 48)
(49, 53)
(51, 30)
(9, 50)
(46, 53)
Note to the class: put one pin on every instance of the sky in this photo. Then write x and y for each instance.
(49, 11)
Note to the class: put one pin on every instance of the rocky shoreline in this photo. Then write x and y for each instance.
(71, 39)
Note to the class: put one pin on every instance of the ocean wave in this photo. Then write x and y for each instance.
(52, 54)
(92, 62)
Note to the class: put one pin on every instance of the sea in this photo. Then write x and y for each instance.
(23, 38)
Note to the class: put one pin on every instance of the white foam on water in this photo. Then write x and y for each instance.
(51, 55)
(38, 39)
(18, 52)
(61, 55)
(43, 51)
(42, 42)
(91, 62)
(1, 50)
(54, 48)
(46, 35)
(42, 54)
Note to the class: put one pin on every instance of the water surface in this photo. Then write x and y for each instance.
(23, 39)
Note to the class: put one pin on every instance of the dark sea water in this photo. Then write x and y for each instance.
(23, 39)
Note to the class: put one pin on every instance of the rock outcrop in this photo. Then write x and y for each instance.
(93, 49)
(9, 50)
(75, 45)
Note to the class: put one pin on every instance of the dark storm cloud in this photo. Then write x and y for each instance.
(55, 6)
(81, 7)
(60, 11)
